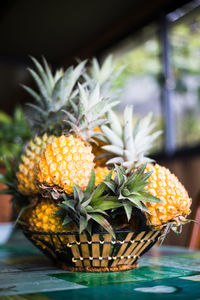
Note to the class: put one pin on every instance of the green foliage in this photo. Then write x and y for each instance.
(98, 206)
(89, 111)
(55, 91)
(87, 207)
(105, 75)
(129, 189)
(10, 181)
(14, 132)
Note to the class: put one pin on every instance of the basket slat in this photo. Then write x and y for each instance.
(153, 237)
(136, 250)
(131, 248)
(75, 250)
(106, 249)
(122, 249)
(96, 250)
(85, 250)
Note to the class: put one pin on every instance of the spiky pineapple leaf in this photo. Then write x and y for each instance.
(110, 185)
(91, 183)
(98, 192)
(114, 123)
(43, 75)
(120, 173)
(68, 203)
(103, 222)
(109, 176)
(67, 220)
(150, 198)
(83, 223)
(108, 204)
(41, 87)
(78, 193)
(114, 139)
(128, 144)
(35, 95)
(64, 86)
(128, 210)
(48, 73)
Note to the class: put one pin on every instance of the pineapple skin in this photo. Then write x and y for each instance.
(166, 186)
(26, 175)
(66, 160)
(42, 219)
(101, 173)
(97, 150)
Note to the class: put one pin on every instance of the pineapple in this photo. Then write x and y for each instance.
(66, 160)
(55, 92)
(175, 200)
(101, 173)
(42, 218)
(73, 212)
(129, 146)
(26, 174)
(128, 188)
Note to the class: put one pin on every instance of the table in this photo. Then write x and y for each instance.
(165, 272)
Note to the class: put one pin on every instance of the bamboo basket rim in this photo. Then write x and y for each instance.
(26, 229)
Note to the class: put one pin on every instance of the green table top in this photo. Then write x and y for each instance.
(165, 272)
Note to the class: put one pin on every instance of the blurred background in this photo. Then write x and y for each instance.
(159, 43)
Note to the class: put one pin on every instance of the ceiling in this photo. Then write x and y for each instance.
(63, 29)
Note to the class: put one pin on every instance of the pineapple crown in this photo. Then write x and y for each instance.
(54, 93)
(129, 189)
(105, 75)
(95, 97)
(87, 207)
(88, 112)
(99, 205)
(128, 144)
(61, 96)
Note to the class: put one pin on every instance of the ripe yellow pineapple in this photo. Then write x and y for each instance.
(46, 117)
(26, 175)
(101, 173)
(175, 200)
(42, 218)
(67, 160)
(128, 146)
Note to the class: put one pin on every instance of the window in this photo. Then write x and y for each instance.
(143, 80)
(185, 42)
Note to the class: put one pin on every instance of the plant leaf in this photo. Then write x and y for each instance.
(91, 184)
(128, 210)
(103, 222)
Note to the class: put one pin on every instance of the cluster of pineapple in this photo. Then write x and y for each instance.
(84, 167)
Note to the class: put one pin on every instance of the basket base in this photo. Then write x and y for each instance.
(97, 269)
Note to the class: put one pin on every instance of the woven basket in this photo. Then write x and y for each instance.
(98, 253)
